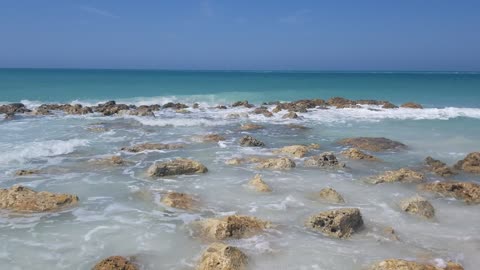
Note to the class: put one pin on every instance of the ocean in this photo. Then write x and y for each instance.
(120, 210)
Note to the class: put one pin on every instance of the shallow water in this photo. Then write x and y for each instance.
(120, 214)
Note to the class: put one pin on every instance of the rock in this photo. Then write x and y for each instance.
(330, 195)
(219, 256)
(13, 108)
(325, 160)
(176, 167)
(389, 232)
(242, 103)
(22, 199)
(471, 163)
(375, 144)
(77, 109)
(258, 184)
(299, 105)
(290, 115)
(250, 126)
(340, 102)
(418, 206)
(26, 172)
(297, 151)
(398, 264)
(389, 105)
(250, 141)
(115, 263)
(195, 106)
(276, 164)
(174, 106)
(182, 111)
(178, 200)
(264, 111)
(339, 223)
(355, 153)
(151, 146)
(221, 107)
(212, 138)
(235, 226)
(438, 167)
(467, 191)
(9, 116)
(140, 111)
(113, 160)
(403, 175)
(235, 161)
(41, 111)
(411, 105)
(110, 108)
(295, 126)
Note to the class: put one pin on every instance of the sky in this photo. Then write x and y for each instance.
(350, 35)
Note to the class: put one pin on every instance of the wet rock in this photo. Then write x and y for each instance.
(295, 126)
(467, 191)
(179, 200)
(112, 161)
(221, 107)
(355, 153)
(212, 138)
(339, 223)
(276, 164)
(242, 103)
(297, 151)
(176, 167)
(195, 106)
(250, 141)
(258, 184)
(22, 199)
(235, 161)
(250, 159)
(390, 233)
(330, 195)
(182, 111)
(471, 163)
(290, 115)
(140, 111)
(77, 109)
(324, 160)
(375, 144)
(419, 206)
(235, 226)
(174, 106)
(389, 105)
(9, 116)
(151, 146)
(250, 126)
(299, 105)
(264, 111)
(26, 172)
(41, 111)
(115, 263)
(403, 175)
(438, 167)
(219, 256)
(398, 264)
(411, 105)
(341, 102)
(11, 109)
(110, 108)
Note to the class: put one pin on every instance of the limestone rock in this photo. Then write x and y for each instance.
(338, 223)
(411, 105)
(258, 184)
(418, 206)
(355, 153)
(219, 256)
(250, 141)
(324, 160)
(151, 146)
(282, 163)
(466, 191)
(438, 167)
(297, 151)
(176, 167)
(179, 200)
(26, 172)
(115, 263)
(471, 163)
(235, 226)
(375, 144)
(403, 175)
(398, 264)
(330, 195)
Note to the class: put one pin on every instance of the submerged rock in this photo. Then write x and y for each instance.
(26, 172)
(471, 163)
(250, 141)
(212, 138)
(375, 144)
(258, 184)
(418, 206)
(339, 223)
(324, 160)
(398, 264)
(276, 164)
(113, 160)
(355, 153)
(176, 167)
(250, 126)
(22, 199)
(235, 226)
(297, 151)
(411, 105)
(403, 175)
(219, 256)
(296, 126)
(438, 167)
(242, 103)
(151, 146)
(330, 195)
(179, 200)
(467, 191)
(290, 115)
(115, 263)
(264, 111)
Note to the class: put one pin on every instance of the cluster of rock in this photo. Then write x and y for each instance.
(355, 153)
(374, 144)
(151, 146)
(22, 199)
(438, 167)
(469, 192)
(249, 141)
(324, 160)
(403, 175)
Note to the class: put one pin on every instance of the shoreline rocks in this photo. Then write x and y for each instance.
(115, 263)
(249, 141)
(402, 175)
(281, 163)
(411, 105)
(337, 223)
(235, 227)
(324, 160)
(151, 146)
(297, 151)
(176, 167)
(355, 153)
(467, 191)
(470, 164)
(438, 167)
(330, 195)
(25, 172)
(374, 144)
(258, 184)
(419, 206)
(219, 256)
(399, 264)
(250, 126)
(178, 200)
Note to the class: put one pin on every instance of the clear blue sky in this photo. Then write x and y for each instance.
(241, 34)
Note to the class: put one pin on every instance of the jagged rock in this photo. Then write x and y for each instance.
(258, 184)
(389, 105)
(179, 200)
(299, 105)
(375, 144)
(26, 172)
(355, 153)
(326, 160)
(438, 167)
(235, 226)
(398, 264)
(242, 103)
(250, 141)
(77, 109)
(13, 108)
(418, 206)
(174, 106)
(110, 108)
(176, 167)
(219, 256)
(250, 126)
(403, 175)
(212, 138)
(113, 160)
(466, 191)
(276, 164)
(330, 195)
(151, 146)
(115, 263)
(41, 111)
(22, 199)
(264, 111)
(297, 151)
(341, 102)
(290, 115)
(471, 163)
(339, 223)
(9, 116)
(221, 107)
(411, 105)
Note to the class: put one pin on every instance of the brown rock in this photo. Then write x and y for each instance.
(242, 103)
(375, 144)
(418, 206)
(151, 146)
(324, 160)
(339, 223)
(398, 264)
(176, 167)
(297, 151)
(330, 195)
(250, 126)
(113, 160)
(26, 172)
(466, 191)
(438, 167)
(290, 115)
(249, 141)
(471, 163)
(235, 226)
(276, 164)
(411, 105)
(389, 105)
(212, 138)
(179, 200)
(219, 256)
(258, 184)
(355, 153)
(115, 263)
(235, 161)
(403, 175)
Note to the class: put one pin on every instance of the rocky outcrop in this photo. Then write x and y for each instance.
(249, 141)
(341, 102)
(324, 160)
(419, 206)
(219, 256)
(338, 223)
(250, 126)
(110, 108)
(13, 108)
(23, 199)
(179, 200)
(151, 146)
(174, 106)
(115, 263)
(258, 184)
(389, 105)
(290, 115)
(398, 264)
(375, 144)
(211, 138)
(330, 195)
(176, 167)
(467, 191)
(26, 172)
(235, 226)
(297, 151)
(276, 164)
(243, 103)
(264, 111)
(250, 159)
(403, 175)
(355, 153)
(471, 163)
(299, 105)
(77, 109)
(438, 167)
(411, 105)
(111, 161)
